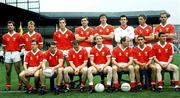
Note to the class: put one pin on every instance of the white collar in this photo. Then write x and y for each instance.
(161, 45)
(34, 53)
(63, 32)
(85, 28)
(31, 34)
(11, 34)
(53, 54)
(163, 25)
(98, 48)
(143, 26)
(142, 48)
(78, 50)
(122, 48)
(103, 26)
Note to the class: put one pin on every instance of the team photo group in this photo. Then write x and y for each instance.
(90, 51)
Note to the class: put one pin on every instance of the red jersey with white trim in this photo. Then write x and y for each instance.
(146, 31)
(122, 55)
(53, 59)
(78, 57)
(63, 39)
(12, 42)
(34, 59)
(106, 30)
(88, 32)
(163, 53)
(100, 55)
(143, 55)
(27, 38)
(168, 29)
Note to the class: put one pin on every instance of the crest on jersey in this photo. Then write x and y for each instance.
(59, 35)
(139, 54)
(50, 57)
(166, 50)
(31, 58)
(103, 54)
(100, 30)
(14, 39)
(66, 35)
(159, 50)
(120, 54)
(8, 39)
(146, 53)
(27, 39)
(140, 31)
(107, 30)
(147, 30)
(80, 56)
(167, 29)
(160, 30)
(126, 53)
(73, 56)
(37, 57)
(82, 32)
(96, 54)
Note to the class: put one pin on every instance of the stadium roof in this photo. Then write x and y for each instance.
(73, 18)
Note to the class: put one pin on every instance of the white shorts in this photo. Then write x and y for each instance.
(65, 53)
(12, 57)
(25, 53)
(110, 47)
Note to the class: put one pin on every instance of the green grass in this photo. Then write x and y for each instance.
(167, 92)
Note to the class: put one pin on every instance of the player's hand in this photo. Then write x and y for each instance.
(76, 71)
(101, 67)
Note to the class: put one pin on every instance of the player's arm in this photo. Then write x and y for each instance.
(60, 64)
(44, 64)
(139, 63)
(110, 36)
(90, 38)
(92, 62)
(130, 61)
(170, 36)
(108, 61)
(149, 62)
(150, 37)
(79, 38)
(25, 66)
(72, 65)
(83, 65)
(114, 61)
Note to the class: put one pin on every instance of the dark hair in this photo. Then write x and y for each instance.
(123, 16)
(161, 33)
(62, 19)
(85, 17)
(34, 40)
(164, 12)
(102, 15)
(53, 43)
(123, 39)
(75, 42)
(97, 36)
(10, 21)
(142, 15)
(141, 36)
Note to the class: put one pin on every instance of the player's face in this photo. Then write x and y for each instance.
(141, 20)
(84, 22)
(53, 48)
(34, 46)
(163, 37)
(10, 27)
(31, 27)
(103, 19)
(141, 40)
(127, 42)
(123, 21)
(99, 40)
(163, 18)
(62, 24)
(76, 47)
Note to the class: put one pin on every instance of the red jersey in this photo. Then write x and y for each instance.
(53, 59)
(34, 59)
(163, 53)
(78, 57)
(63, 39)
(88, 32)
(122, 55)
(106, 30)
(100, 55)
(12, 42)
(143, 55)
(168, 29)
(27, 38)
(146, 31)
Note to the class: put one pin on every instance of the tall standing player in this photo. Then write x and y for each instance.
(100, 58)
(106, 31)
(163, 57)
(85, 34)
(11, 43)
(144, 29)
(63, 38)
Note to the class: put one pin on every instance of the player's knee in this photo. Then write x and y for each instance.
(136, 68)
(114, 69)
(131, 68)
(84, 70)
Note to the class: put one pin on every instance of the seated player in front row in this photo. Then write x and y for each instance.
(143, 56)
(100, 59)
(54, 57)
(32, 64)
(163, 60)
(78, 58)
(122, 59)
